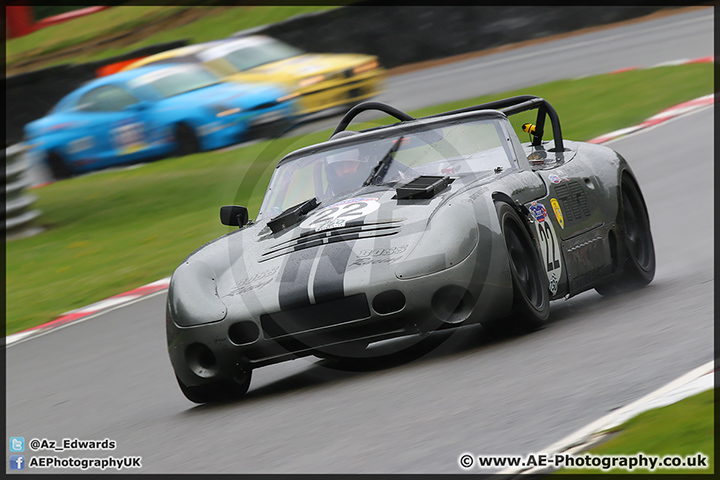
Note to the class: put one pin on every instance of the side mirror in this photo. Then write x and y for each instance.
(234, 215)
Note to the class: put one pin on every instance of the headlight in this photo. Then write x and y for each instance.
(222, 111)
(192, 296)
(366, 67)
(306, 82)
(287, 97)
(450, 238)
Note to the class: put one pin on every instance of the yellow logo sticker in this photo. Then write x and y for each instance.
(558, 212)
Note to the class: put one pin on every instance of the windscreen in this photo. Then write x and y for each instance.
(176, 80)
(474, 148)
(252, 52)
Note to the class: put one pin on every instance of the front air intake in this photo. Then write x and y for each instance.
(423, 187)
(315, 317)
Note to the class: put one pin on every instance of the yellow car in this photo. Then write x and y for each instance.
(321, 81)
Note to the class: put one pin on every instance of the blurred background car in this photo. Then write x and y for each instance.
(322, 81)
(153, 111)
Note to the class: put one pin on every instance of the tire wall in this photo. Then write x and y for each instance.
(398, 35)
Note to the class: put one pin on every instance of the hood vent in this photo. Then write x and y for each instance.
(351, 231)
(423, 187)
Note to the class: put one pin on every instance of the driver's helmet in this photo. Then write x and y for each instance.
(346, 170)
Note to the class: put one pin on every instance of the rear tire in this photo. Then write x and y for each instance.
(637, 266)
(58, 167)
(186, 140)
(531, 292)
(221, 391)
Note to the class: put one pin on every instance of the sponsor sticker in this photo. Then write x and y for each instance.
(80, 144)
(558, 212)
(558, 176)
(538, 210)
(129, 137)
(338, 214)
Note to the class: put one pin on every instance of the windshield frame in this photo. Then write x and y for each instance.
(146, 82)
(227, 50)
(397, 131)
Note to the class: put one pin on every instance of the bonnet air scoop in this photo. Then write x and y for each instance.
(423, 187)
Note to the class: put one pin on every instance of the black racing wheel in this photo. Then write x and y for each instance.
(531, 293)
(186, 140)
(635, 251)
(58, 167)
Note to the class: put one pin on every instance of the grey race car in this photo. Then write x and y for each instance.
(426, 224)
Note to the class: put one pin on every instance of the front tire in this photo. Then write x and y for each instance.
(186, 140)
(637, 267)
(58, 167)
(531, 292)
(221, 391)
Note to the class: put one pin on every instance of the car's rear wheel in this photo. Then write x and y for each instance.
(220, 391)
(531, 293)
(186, 140)
(636, 268)
(58, 167)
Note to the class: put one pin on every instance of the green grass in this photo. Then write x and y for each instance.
(116, 230)
(215, 24)
(80, 30)
(683, 428)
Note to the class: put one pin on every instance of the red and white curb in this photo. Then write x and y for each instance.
(665, 115)
(682, 61)
(693, 382)
(75, 316)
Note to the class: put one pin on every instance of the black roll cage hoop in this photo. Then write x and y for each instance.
(508, 106)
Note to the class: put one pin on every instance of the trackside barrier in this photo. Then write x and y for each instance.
(19, 215)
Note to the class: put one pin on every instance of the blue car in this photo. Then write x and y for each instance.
(151, 112)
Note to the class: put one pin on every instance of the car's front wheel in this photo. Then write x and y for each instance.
(531, 294)
(186, 140)
(637, 267)
(220, 391)
(58, 167)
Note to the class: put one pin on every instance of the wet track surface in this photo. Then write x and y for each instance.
(109, 377)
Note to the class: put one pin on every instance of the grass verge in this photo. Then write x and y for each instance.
(211, 23)
(116, 230)
(684, 428)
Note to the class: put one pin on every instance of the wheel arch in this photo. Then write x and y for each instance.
(522, 212)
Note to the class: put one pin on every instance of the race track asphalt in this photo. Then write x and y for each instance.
(109, 377)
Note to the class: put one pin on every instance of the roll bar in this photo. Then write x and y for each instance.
(508, 106)
(361, 107)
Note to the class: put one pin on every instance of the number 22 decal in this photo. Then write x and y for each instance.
(338, 214)
(550, 248)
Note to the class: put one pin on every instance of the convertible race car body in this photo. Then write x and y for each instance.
(426, 224)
